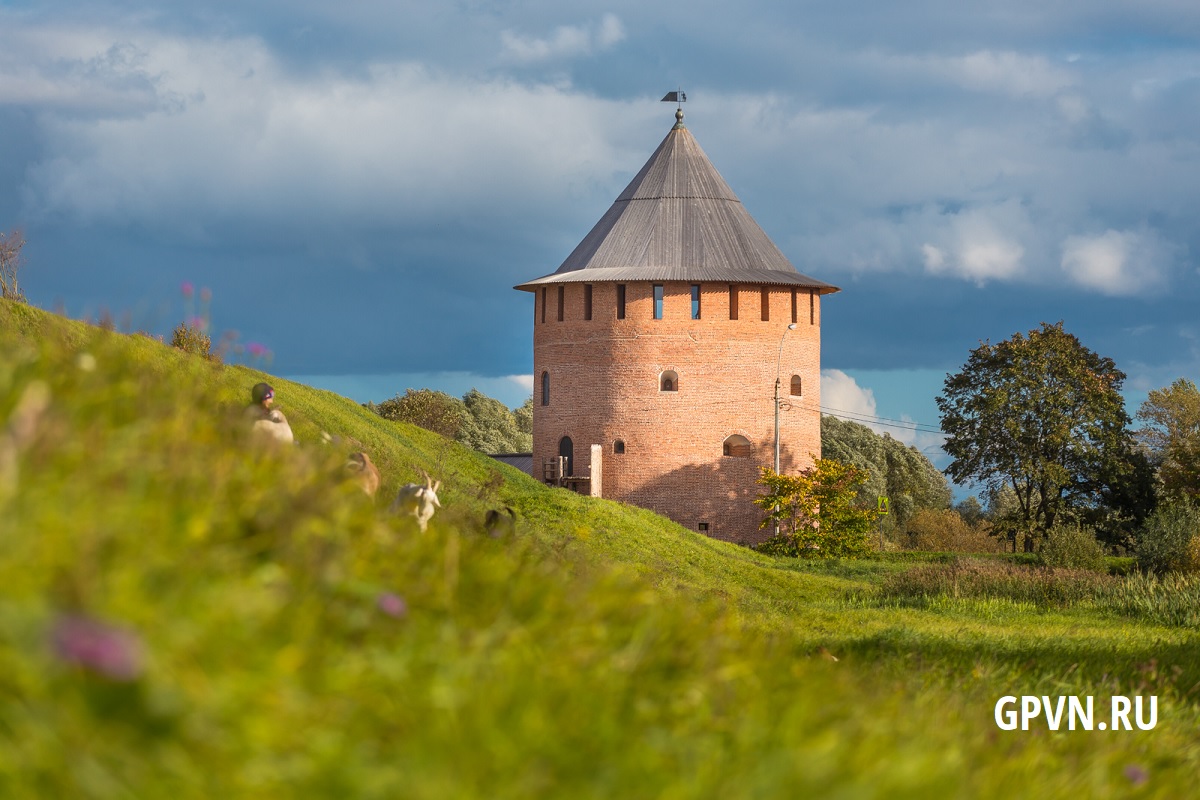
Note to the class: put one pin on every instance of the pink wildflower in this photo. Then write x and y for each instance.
(108, 651)
(1136, 775)
(393, 605)
(187, 288)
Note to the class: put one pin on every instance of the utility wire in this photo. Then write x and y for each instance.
(855, 416)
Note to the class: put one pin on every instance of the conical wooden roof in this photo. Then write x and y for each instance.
(678, 220)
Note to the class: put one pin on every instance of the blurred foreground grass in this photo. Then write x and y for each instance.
(184, 614)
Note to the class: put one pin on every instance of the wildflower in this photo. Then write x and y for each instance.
(86, 362)
(255, 349)
(187, 288)
(392, 604)
(199, 323)
(106, 650)
(1136, 775)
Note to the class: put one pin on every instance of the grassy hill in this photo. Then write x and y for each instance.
(185, 613)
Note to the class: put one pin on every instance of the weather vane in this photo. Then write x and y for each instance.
(679, 97)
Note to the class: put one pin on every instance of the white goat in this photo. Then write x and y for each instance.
(418, 501)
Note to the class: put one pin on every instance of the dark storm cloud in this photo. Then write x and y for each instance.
(352, 180)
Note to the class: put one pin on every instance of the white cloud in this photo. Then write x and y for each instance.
(1115, 262)
(566, 41)
(995, 72)
(200, 129)
(979, 246)
(1008, 73)
(842, 395)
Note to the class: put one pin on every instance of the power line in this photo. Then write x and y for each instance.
(855, 416)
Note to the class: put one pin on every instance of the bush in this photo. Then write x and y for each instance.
(1073, 547)
(1167, 542)
(944, 530)
(191, 339)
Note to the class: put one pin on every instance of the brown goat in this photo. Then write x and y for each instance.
(360, 468)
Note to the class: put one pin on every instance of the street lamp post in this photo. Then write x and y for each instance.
(778, 363)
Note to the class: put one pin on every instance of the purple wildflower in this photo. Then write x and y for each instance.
(255, 349)
(392, 604)
(187, 288)
(1136, 775)
(199, 323)
(106, 650)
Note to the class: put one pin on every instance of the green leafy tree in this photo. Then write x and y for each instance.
(1169, 539)
(493, 427)
(897, 471)
(477, 421)
(427, 408)
(1040, 415)
(524, 417)
(1171, 437)
(971, 510)
(817, 511)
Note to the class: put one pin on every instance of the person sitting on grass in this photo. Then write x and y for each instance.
(266, 420)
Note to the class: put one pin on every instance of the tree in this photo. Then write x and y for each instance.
(970, 509)
(10, 264)
(1171, 438)
(477, 421)
(817, 511)
(524, 417)
(429, 409)
(493, 428)
(1041, 415)
(901, 473)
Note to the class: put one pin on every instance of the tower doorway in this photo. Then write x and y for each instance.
(566, 448)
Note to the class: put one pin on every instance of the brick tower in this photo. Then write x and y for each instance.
(661, 339)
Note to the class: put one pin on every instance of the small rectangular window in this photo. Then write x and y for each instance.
(587, 301)
(794, 303)
(733, 292)
(695, 301)
(766, 304)
(658, 300)
(702, 526)
(620, 301)
(812, 307)
(562, 293)
(543, 304)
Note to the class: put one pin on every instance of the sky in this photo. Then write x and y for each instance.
(360, 185)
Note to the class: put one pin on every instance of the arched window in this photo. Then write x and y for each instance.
(737, 446)
(797, 386)
(668, 381)
(545, 388)
(619, 447)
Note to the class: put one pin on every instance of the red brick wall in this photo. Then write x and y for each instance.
(604, 386)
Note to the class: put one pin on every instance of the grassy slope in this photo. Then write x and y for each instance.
(605, 652)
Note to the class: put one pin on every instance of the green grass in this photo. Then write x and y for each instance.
(605, 652)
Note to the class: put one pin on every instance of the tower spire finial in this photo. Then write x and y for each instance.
(680, 98)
